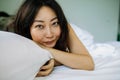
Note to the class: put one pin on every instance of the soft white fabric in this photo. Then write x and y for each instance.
(96, 49)
(106, 57)
(107, 66)
(85, 36)
(20, 58)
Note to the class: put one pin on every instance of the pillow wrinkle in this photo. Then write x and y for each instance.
(20, 58)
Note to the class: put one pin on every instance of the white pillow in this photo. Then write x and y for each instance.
(86, 37)
(20, 58)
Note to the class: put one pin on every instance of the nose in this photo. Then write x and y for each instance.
(49, 33)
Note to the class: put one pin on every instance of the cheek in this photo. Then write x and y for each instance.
(37, 37)
(58, 32)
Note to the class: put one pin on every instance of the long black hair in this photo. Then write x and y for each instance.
(27, 13)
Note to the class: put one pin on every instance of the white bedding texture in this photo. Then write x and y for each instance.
(106, 58)
(20, 59)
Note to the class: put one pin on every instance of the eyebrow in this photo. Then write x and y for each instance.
(43, 21)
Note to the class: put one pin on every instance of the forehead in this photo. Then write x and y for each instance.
(45, 13)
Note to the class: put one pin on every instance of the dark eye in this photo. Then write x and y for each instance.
(55, 24)
(40, 26)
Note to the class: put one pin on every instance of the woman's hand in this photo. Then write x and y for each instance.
(46, 69)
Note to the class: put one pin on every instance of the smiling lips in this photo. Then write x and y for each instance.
(49, 42)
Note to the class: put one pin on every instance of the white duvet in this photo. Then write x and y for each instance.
(17, 61)
(106, 58)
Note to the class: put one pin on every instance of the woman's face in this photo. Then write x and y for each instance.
(45, 29)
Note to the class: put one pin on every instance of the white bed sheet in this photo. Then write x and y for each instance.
(106, 58)
(107, 67)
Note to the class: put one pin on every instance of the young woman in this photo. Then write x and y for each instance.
(44, 22)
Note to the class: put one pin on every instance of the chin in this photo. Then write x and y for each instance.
(50, 46)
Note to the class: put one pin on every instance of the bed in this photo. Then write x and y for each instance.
(107, 67)
(23, 67)
(106, 58)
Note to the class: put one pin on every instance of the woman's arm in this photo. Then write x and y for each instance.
(76, 61)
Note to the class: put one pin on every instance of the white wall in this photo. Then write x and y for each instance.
(99, 17)
(10, 6)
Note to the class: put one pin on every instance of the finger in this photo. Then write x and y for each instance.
(49, 65)
(44, 73)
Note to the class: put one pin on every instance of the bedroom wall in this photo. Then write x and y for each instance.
(119, 25)
(10, 6)
(99, 17)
